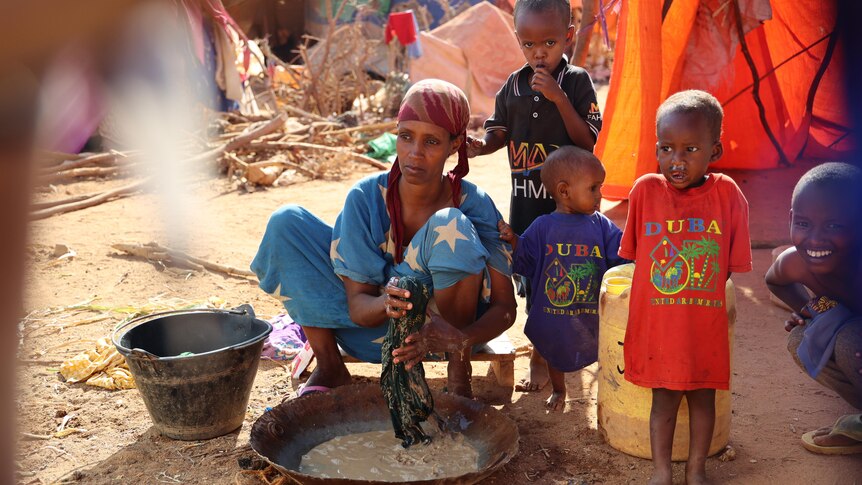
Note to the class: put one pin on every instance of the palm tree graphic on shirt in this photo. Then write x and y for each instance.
(702, 258)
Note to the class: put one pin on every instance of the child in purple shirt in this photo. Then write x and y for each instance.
(565, 254)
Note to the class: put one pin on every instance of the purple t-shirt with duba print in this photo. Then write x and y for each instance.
(565, 256)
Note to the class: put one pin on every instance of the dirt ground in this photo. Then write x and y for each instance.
(773, 401)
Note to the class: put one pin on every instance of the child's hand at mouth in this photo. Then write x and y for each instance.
(544, 83)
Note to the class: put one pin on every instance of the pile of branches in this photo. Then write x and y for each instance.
(250, 150)
(327, 110)
(332, 72)
(305, 146)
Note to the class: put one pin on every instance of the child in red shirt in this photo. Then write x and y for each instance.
(687, 231)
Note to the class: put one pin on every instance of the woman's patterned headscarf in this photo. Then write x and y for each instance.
(442, 104)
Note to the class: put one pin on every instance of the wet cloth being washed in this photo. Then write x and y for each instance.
(405, 391)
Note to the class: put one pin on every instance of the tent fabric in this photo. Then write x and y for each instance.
(441, 60)
(433, 13)
(654, 59)
(459, 52)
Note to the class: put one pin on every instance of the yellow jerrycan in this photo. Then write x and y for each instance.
(624, 408)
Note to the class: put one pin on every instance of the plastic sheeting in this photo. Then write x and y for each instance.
(689, 50)
(476, 51)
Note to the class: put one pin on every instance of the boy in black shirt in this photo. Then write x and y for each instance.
(544, 105)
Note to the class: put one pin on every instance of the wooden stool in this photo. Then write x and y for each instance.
(501, 354)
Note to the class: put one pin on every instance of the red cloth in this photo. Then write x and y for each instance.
(401, 26)
(684, 243)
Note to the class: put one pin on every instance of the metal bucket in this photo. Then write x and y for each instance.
(291, 429)
(204, 392)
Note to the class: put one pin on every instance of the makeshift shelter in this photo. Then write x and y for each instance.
(459, 51)
(780, 84)
(429, 13)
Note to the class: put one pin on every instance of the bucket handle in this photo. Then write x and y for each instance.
(244, 309)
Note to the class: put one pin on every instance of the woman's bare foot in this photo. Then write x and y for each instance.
(459, 377)
(332, 377)
(330, 370)
(538, 378)
(557, 401)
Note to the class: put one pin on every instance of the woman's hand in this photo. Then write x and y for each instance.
(395, 303)
(438, 335)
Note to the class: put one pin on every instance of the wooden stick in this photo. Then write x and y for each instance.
(312, 146)
(283, 163)
(90, 160)
(31, 436)
(232, 117)
(325, 124)
(272, 136)
(55, 203)
(154, 252)
(384, 126)
(232, 164)
(39, 361)
(301, 112)
(294, 137)
(81, 172)
(243, 139)
(89, 201)
(244, 118)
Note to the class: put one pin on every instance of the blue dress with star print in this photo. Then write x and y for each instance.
(301, 259)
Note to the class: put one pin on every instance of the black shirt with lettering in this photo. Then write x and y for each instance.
(534, 128)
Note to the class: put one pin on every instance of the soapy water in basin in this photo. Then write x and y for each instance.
(379, 456)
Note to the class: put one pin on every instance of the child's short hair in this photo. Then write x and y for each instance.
(566, 160)
(694, 101)
(561, 7)
(842, 178)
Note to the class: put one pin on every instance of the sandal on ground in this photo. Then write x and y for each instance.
(849, 426)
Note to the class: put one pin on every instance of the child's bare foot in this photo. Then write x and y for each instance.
(661, 478)
(557, 401)
(696, 478)
(538, 378)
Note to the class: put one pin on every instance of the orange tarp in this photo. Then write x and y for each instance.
(655, 59)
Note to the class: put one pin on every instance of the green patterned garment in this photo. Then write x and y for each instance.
(406, 392)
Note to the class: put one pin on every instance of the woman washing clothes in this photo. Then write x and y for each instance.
(339, 282)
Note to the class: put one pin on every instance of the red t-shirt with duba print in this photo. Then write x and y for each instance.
(684, 243)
